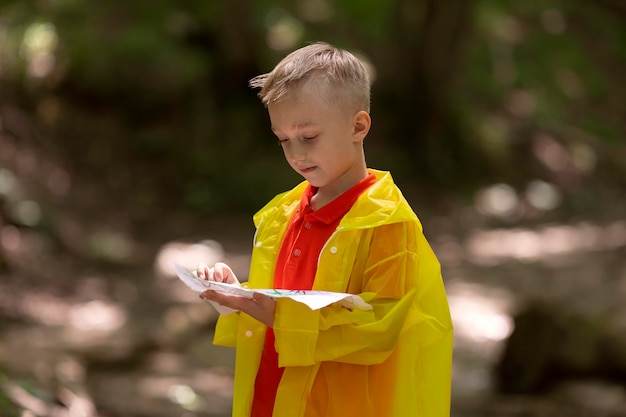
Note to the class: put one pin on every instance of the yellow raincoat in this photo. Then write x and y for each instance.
(393, 361)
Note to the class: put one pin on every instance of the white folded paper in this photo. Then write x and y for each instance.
(311, 298)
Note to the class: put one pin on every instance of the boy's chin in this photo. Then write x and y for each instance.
(310, 177)
(314, 183)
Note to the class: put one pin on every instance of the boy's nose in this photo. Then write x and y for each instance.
(297, 153)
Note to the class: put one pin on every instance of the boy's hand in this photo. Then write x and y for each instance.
(219, 273)
(261, 307)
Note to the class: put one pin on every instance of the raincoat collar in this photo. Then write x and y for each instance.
(382, 203)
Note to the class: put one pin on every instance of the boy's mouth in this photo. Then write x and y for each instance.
(307, 170)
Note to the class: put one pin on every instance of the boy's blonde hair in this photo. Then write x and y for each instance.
(341, 76)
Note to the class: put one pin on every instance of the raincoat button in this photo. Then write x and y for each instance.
(297, 252)
(333, 250)
(258, 244)
(308, 225)
(248, 333)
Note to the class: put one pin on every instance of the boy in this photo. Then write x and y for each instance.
(346, 228)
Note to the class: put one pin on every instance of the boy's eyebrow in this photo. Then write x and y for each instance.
(299, 125)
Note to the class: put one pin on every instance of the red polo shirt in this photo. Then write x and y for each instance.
(296, 266)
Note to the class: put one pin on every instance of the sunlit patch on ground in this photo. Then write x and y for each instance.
(480, 314)
(97, 316)
(530, 245)
(545, 243)
(188, 255)
(206, 391)
(482, 321)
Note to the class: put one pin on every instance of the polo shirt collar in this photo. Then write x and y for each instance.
(337, 208)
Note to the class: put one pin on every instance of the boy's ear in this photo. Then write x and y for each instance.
(361, 123)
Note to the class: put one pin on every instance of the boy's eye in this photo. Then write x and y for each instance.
(308, 138)
(282, 141)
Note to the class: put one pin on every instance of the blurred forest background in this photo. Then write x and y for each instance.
(129, 139)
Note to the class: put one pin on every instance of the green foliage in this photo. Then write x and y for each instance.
(459, 92)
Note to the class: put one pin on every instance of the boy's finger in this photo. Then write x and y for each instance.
(201, 271)
(221, 272)
(263, 299)
(208, 295)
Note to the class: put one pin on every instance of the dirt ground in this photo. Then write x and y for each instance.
(122, 337)
(93, 321)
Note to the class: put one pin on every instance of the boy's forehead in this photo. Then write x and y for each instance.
(287, 114)
(305, 107)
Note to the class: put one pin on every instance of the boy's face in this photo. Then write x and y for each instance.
(321, 141)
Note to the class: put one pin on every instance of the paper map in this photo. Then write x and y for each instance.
(311, 298)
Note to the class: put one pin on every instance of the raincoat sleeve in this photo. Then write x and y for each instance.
(226, 330)
(395, 270)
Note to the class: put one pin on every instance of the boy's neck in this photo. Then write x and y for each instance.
(325, 195)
